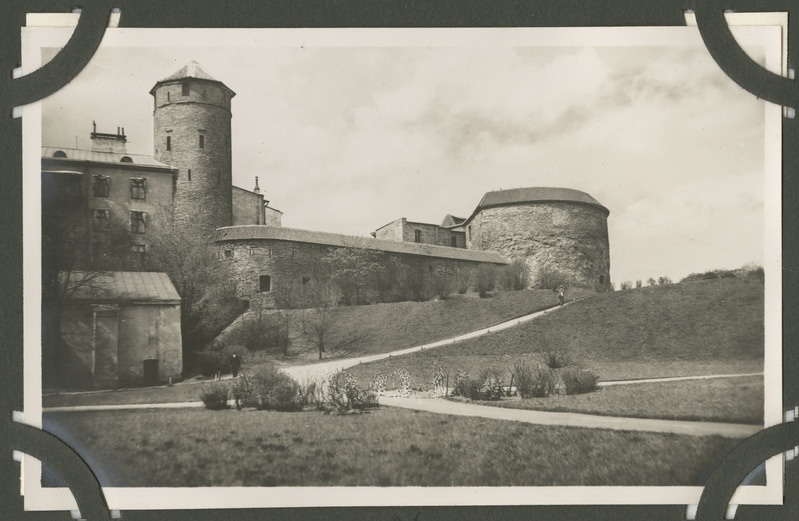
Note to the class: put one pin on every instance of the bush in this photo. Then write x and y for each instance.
(549, 278)
(345, 395)
(516, 275)
(579, 381)
(258, 332)
(268, 389)
(466, 387)
(533, 380)
(555, 350)
(486, 279)
(215, 397)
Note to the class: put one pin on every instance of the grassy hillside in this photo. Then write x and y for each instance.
(712, 326)
(379, 328)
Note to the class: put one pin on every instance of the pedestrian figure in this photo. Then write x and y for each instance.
(561, 297)
(235, 364)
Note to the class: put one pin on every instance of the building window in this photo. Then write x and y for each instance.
(265, 283)
(138, 188)
(101, 220)
(59, 153)
(186, 88)
(189, 174)
(169, 142)
(138, 222)
(469, 233)
(454, 241)
(417, 236)
(139, 251)
(228, 254)
(202, 141)
(168, 97)
(100, 186)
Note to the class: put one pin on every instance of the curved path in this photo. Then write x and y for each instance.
(304, 372)
(568, 419)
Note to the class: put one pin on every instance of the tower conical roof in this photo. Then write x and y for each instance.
(191, 70)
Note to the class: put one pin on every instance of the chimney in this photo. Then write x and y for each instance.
(114, 143)
(256, 189)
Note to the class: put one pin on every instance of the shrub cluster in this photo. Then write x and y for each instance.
(344, 393)
(487, 386)
(267, 389)
(215, 397)
(533, 380)
(578, 381)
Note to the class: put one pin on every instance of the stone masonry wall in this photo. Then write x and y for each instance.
(206, 192)
(289, 264)
(571, 239)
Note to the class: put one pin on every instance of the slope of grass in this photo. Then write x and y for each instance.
(735, 400)
(387, 447)
(379, 328)
(703, 327)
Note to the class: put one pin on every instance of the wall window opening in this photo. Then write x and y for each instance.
(100, 187)
(138, 188)
(138, 222)
(139, 251)
(186, 88)
(189, 174)
(454, 241)
(101, 220)
(265, 283)
(169, 142)
(417, 236)
(202, 141)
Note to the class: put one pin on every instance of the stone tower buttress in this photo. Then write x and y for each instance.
(192, 120)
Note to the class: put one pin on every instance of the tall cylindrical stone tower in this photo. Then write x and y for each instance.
(192, 134)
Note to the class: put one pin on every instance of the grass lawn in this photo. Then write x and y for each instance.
(704, 327)
(736, 400)
(387, 447)
(379, 328)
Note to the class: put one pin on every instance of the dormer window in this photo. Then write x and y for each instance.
(126, 159)
(59, 153)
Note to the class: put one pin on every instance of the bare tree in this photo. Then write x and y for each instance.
(204, 281)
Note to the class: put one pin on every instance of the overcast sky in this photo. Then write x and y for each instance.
(346, 139)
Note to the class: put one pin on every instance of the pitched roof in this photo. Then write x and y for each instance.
(78, 154)
(122, 286)
(190, 70)
(536, 195)
(255, 232)
(450, 221)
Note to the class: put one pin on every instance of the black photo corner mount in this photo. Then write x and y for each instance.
(384, 13)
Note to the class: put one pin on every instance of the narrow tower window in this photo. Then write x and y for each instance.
(202, 141)
(204, 94)
(189, 174)
(185, 87)
(168, 97)
(169, 142)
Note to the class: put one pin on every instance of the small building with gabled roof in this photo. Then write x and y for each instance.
(119, 328)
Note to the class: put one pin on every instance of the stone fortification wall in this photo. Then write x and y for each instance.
(291, 266)
(568, 238)
(192, 134)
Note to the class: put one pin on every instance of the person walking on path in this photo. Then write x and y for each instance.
(235, 364)
(561, 296)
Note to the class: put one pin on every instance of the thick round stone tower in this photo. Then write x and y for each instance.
(557, 231)
(192, 133)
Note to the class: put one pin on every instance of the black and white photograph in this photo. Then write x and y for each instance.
(344, 267)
